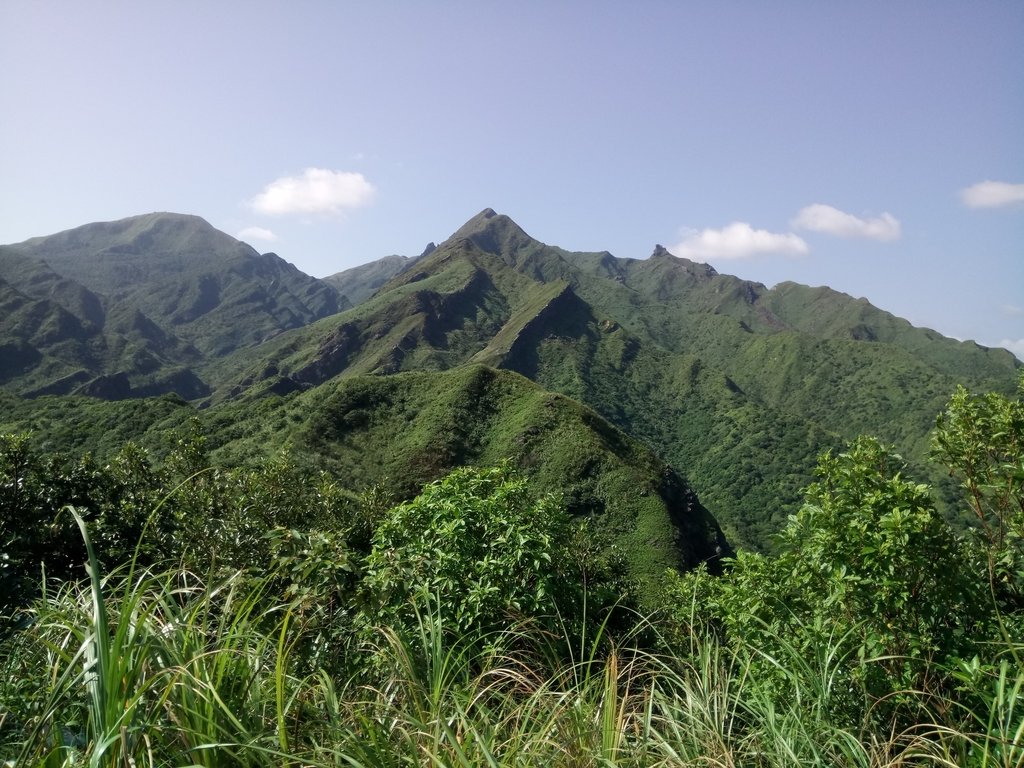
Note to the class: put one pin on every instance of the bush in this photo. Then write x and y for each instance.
(478, 541)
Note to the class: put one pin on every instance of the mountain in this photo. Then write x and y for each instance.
(57, 336)
(360, 283)
(142, 305)
(736, 385)
(403, 431)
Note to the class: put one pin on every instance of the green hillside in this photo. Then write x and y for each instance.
(57, 337)
(141, 306)
(736, 385)
(360, 283)
(401, 432)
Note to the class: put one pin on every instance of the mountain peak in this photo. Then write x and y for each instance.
(694, 267)
(492, 232)
(482, 220)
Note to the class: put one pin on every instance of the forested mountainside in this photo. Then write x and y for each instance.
(397, 433)
(737, 386)
(136, 307)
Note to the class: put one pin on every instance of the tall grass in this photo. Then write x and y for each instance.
(142, 668)
(163, 667)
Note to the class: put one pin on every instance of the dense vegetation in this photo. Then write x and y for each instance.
(264, 615)
(405, 430)
(444, 511)
(737, 386)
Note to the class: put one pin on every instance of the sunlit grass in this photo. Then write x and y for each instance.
(163, 667)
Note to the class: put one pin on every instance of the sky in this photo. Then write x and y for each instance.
(875, 147)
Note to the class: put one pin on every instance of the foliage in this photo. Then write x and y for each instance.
(36, 542)
(866, 568)
(400, 432)
(873, 549)
(981, 439)
(316, 574)
(210, 673)
(184, 509)
(477, 545)
(874, 636)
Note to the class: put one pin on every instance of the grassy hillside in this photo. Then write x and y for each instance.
(738, 385)
(403, 431)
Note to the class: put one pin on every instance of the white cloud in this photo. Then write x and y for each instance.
(832, 221)
(256, 233)
(992, 194)
(737, 241)
(1013, 310)
(317, 190)
(1015, 346)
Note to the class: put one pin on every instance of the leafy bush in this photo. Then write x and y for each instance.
(980, 438)
(476, 540)
(867, 572)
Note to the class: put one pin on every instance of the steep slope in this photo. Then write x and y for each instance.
(408, 429)
(211, 290)
(141, 306)
(737, 385)
(465, 304)
(433, 316)
(59, 337)
(689, 308)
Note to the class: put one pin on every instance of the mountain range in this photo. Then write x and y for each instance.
(632, 386)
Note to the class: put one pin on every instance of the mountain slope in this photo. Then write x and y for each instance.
(360, 283)
(141, 306)
(737, 385)
(59, 337)
(212, 290)
(405, 430)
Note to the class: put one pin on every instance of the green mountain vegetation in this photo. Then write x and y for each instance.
(264, 615)
(142, 306)
(480, 507)
(404, 431)
(737, 386)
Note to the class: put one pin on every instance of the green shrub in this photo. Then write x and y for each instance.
(478, 542)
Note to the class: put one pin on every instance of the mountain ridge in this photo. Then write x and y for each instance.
(736, 384)
(158, 290)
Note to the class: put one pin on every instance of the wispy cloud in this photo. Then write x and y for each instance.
(832, 221)
(992, 194)
(317, 191)
(256, 233)
(738, 240)
(1013, 310)
(1014, 345)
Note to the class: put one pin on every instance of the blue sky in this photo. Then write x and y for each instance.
(874, 147)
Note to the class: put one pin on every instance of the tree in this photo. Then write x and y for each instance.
(980, 438)
(869, 546)
(866, 567)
